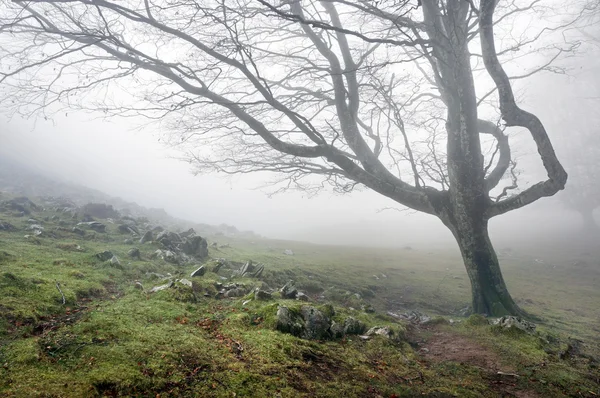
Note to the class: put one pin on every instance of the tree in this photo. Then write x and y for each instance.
(339, 93)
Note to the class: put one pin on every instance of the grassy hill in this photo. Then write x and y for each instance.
(75, 325)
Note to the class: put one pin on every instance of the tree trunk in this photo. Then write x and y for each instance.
(489, 293)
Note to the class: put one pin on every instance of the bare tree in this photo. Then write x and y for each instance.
(332, 93)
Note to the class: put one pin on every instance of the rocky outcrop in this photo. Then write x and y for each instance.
(195, 246)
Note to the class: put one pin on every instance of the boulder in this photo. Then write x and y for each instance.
(302, 296)
(166, 255)
(114, 261)
(289, 322)
(353, 326)
(6, 226)
(128, 229)
(105, 255)
(94, 225)
(262, 295)
(147, 237)
(513, 322)
(316, 324)
(199, 272)
(250, 270)
(78, 231)
(195, 246)
(134, 252)
(169, 240)
(189, 233)
(289, 290)
(185, 282)
(161, 287)
(288, 252)
(386, 331)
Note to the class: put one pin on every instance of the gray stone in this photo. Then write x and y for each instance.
(185, 282)
(138, 285)
(214, 245)
(509, 322)
(353, 326)
(385, 331)
(289, 290)
(288, 322)
(148, 237)
(105, 255)
(250, 270)
(6, 226)
(78, 231)
(35, 227)
(161, 287)
(288, 252)
(134, 252)
(94, 225)
(189, 233)
(114, 261)
(169, 240)
(302, 296)
(199, 272)
(195, 246)
(262, 295)
(337, 330)
(316, 324)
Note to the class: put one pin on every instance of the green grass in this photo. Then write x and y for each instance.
(111, 339)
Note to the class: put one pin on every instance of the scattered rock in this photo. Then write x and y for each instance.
(199, 272)
(214, 245)
(262, 295)
(147, 237)
(139, 286)
(35, 227)
(185, 282)
(411, 316)
(166, 255)
(316, 324)
(161, 287)
(288, 322)
(302, 296)
(128, 229)
(134, 252)
(94, 225)
(289, 290)
(78, 231)
(105, 255)
(128, 241)
(353, 326)
(6, 226)
(114, 261)
(169, 240)
(509, 322)
(250, 270)
(190, 232)
(385, 331)
(288, 252)
(195, 246)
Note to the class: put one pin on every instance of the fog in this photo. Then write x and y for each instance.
(122, 160)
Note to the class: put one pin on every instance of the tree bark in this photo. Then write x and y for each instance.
(489, 293)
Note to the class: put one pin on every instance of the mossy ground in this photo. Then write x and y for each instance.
(111, 339)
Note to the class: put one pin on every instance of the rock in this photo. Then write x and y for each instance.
(218, 265)
(128, 241)
(302, 296)
(288, 322)
(169, 240)
(35, 227)
(21, 204)
(185, 282)
(134, 252)
(161, 287)
(316, 324)
(148, 237)
(214, 245)
(105, 255)
(6, 226)
(250, 270)
(262, 295)
(289, 290)
(190, 232)
(288, 252)
(195, 246)
(235, 293)
(139, 286)
(509, 322)
(166, 255)
(225, 246)
(353, 326)
(386, 331)
(78, 231)
(199, 272)
(337, 330)
(128, 229)
(94, 225)
(158, 229)
(114, 261)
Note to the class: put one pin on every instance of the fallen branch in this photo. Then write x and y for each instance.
(61, 293)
